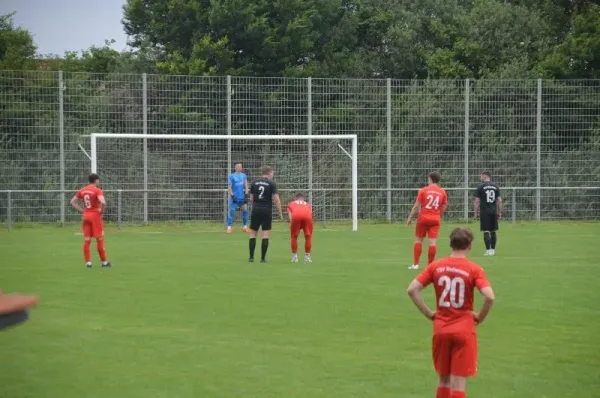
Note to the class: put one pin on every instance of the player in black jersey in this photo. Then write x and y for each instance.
(263, 192)
(488, 207)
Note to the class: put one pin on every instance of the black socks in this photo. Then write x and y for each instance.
(252, 246)
(264, 247)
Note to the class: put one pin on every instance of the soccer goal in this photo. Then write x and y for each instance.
(176, 177)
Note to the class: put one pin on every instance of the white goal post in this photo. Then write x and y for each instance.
(325, 157)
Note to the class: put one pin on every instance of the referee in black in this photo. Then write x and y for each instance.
(263, 192)
(488, 207)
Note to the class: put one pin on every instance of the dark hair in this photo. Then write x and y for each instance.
(236, 163)
(92, 178)
(461, 238)
(265, 170)
(435, 177)
(486, 173)
(299, 195)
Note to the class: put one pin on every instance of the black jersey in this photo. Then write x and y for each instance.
(263, 190)
(488, 194)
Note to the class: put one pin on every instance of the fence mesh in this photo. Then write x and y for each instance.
(521, 130)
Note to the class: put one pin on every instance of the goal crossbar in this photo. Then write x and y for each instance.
(353, 155)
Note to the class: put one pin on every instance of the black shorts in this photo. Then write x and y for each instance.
(261, 218)
(488, 222)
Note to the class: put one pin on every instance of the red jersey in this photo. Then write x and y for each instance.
(300, 209)
(454, 280)
(89, 195)
(432, 198)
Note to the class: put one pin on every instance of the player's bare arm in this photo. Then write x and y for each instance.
(414, 292)
(476, 207)
(75, 204)
(246, 189)
(251, 198)
(277, 201)
(230, 190)
(102, 201)
(488, 301)
(499, 206)
(413, 211)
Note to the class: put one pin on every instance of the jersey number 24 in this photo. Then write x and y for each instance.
(433, 202)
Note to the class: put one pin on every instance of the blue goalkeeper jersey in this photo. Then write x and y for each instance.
(237, 182)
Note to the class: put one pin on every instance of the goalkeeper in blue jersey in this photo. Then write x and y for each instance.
(238, 191)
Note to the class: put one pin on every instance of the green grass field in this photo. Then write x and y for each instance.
(182, 314)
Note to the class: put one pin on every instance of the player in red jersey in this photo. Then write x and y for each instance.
(432, 200)
(92, 225)
(300, 213)
(454, 346)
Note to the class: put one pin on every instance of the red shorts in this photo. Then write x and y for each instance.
(427, 227)
(455, 354)
(304, 224)
(92, 225)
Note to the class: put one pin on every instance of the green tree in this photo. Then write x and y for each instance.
(17, 49)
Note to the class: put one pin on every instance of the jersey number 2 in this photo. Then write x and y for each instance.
(87, 202)
(490, 196)
(433, 202)
(261, 194)
(453, 294)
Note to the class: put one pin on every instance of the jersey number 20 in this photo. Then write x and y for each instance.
(433, 202)
(453, 294)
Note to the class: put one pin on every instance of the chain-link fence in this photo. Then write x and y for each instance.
(539, 138)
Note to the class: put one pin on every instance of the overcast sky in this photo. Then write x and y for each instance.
(64, 25)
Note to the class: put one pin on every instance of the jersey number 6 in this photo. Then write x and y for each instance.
(87, 202)
(453, 294)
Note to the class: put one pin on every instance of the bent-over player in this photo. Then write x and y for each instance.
(454, 345)
(263, 192)
(488, 207)
(301, 219)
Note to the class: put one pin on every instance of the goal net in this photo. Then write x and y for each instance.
(168, 177)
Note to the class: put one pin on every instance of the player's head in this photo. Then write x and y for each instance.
(94, 178)
(300, 196)
(238, 167)
(434, 177)
(486, 176)
(461, 239)
(267, 172)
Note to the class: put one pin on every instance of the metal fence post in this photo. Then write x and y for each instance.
(309, 132)
(61, 131)
(9, 210)
(145, 149)
(389, 147)
(514, 205)
(119, 207)
(538, 193)
(466, 151)
(229, 165)
(225, 209)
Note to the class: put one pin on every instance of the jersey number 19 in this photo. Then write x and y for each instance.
(490, 196)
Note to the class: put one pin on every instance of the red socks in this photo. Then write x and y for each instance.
(307, 244)
(417, 249)
(442, 392)
(101, 249)
(294, 244)
(458, 394)
(431, 254)
(86, 251)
